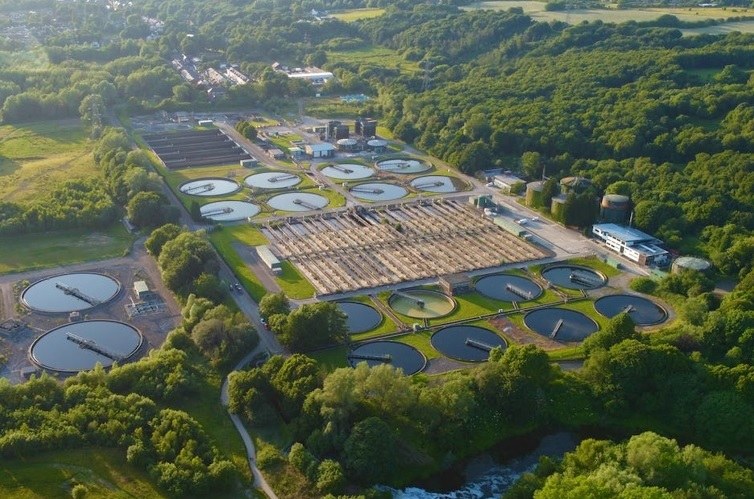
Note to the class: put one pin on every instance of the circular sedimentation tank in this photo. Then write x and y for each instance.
(229, 211)
(359, 316)
(422, 303)
(574, 277)
(207, 187)
(398, 355)
(67, 293)
(560, 324)
(690, 263)
(403, 165)
(79, 346)
(347, 171)
(643, 312)
(378, 191)
(298, 201)
(466, 343)
(434, 183)
(506, 287)
(272, 180)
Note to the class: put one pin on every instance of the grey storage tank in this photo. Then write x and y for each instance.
(615, 208)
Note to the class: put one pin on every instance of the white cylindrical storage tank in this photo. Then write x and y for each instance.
(690, 263)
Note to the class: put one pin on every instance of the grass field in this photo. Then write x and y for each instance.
(37, 156)
(537, 11)
(380, 57)
(37, 251)
(351, 15)
(293, 284)
(104, 472)
(223, 241)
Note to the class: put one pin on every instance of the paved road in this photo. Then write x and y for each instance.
(259, 480)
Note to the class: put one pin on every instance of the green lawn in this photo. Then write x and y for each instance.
(104, 472)
(37, 251)
(223, 241)
(420, 341)
(472, 305)
(293, 284)
(351, 15)
(376, 56)
(35, 157)
(332, 358)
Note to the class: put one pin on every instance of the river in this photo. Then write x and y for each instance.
(486, 478)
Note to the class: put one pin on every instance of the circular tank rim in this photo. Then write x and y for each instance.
(300, 179)
(375, 181)
(276, 195)
(377, 340)
(455, 303)
(238, 187)
(41, 365)
(379, 323)
(665, 312)
(479, 278)
(228, 220)
(23, 301)
(423, 162)
(604, 277)
(442, 328)
(527, 314)
(453, 182)
(377, 143)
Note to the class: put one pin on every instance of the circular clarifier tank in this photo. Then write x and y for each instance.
(70, 292)
(298, 201)
(422, 303)
(434, 183)
(398, 355)
(506, 287)
(467, 343)
(642, 311)
(229, 211)
(348, 171)
(406, 166)
(359, 316)
(272, 180)
(79, 346)
(209, 187)
(560, 324)
(378, 191)
(574, 277)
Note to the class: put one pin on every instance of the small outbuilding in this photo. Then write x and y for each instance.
(141, 289)
(320, 150)
(275, 153)
(509, 184)
(456, 284)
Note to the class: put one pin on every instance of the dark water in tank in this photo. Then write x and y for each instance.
(469, 343)
(495, 286)
(54, 350)
(642, 311)
(49, 295)
(402, 356)
(575, 327)
(583, 277)
(360, 317)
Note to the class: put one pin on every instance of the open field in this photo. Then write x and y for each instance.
(380, 57)
(104, 472)
(537, 11)
(351, 15)
(37, 251)
(34, 58)
(37, 156)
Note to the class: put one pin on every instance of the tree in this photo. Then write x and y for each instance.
(160, 236)
(274, 303)
(147, 209)
(310, 326)
(619, 328)
(474, 157)
(91, 110)
(369, 452)
(330, 477)
(531, 163)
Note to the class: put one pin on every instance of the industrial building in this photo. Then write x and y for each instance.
(632, 243)
(366, 127)
(508, 184)
(456, 284)
(321, 150)
(269, 259)
(314, 75)
(275, 153)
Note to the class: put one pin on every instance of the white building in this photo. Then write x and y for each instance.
(509, 183)
(269, 259)
(632, 243)
(320, 150)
